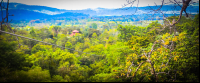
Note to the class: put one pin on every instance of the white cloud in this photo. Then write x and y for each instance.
(48, 12)
(84, 4)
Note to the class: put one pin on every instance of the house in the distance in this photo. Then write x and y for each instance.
(74, 32)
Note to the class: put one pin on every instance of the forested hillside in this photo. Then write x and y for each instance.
(124, 53)
(45, 44)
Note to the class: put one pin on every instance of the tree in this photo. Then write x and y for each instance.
(11, 60)
(7, 14)
(62, 39)
(94, 25)
(156, 58)
(91, 31)
(125, 32)
(43, 33)
(105, 27)
(56, 29)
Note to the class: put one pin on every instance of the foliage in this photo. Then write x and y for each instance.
(94, 25)
(10, 58)
(107, 53)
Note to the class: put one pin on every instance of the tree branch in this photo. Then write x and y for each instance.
(149, 55)
(137, 69)
(185, 5)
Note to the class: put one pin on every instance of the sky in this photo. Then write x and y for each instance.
(85, 4)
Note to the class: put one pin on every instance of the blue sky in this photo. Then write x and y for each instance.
(84, 4)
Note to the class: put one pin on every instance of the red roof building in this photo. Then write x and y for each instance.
(74, 32)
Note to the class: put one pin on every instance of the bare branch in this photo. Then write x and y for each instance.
(185, 5)
(158, 8)
(128, 69)
(7, 10)
(149, 55)
(137, 69)
(153, 70)
(177, 3)
(162, 73)
(137, 7)
(128, 3)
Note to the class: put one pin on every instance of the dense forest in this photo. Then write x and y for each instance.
(121, 53)
(100, 49)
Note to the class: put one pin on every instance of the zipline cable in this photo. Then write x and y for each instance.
(45, 42)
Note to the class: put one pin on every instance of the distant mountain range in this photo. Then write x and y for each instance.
(30, 12)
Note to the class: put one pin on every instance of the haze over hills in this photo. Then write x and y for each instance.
(29, 12)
